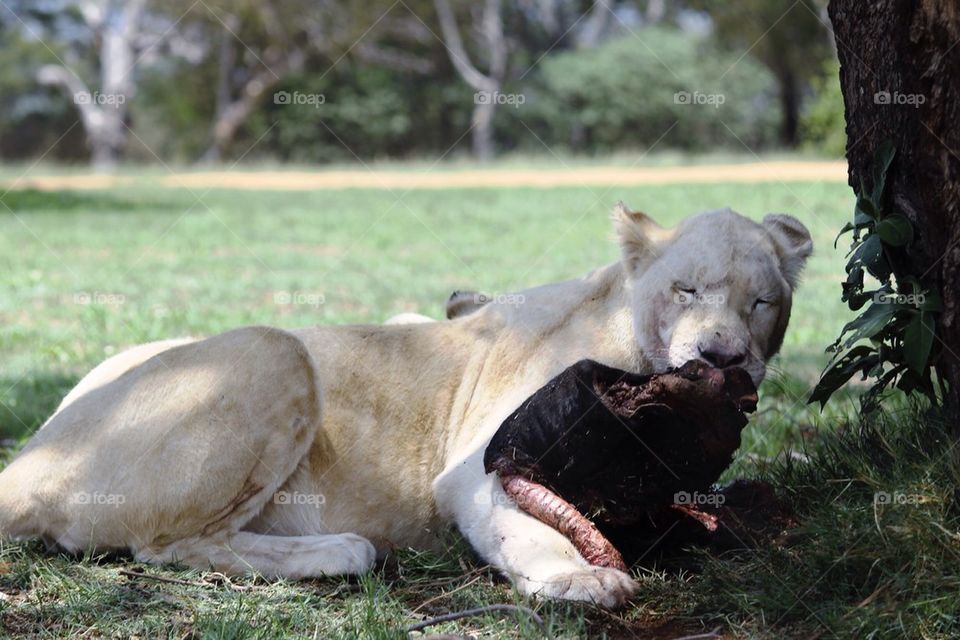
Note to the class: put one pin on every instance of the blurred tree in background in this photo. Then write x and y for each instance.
(33, 117)
(624, 94)
(822, 126)
(108, 56)
(792, 40)
(302, 81)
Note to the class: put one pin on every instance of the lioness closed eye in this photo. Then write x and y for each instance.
(308, 452)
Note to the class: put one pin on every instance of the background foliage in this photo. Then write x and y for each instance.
(591, 79)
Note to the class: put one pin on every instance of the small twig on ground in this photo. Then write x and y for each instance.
(715, 633)
(433, 584)
(467, 613)
(445, 594)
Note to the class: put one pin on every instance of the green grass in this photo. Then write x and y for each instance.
(877, 554)
(158, 263)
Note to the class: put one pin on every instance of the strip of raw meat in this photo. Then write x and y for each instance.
(552, 510)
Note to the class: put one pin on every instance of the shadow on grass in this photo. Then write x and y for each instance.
(26, 402)
(36, 201)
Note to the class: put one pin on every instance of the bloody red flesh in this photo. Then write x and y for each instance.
(555, 512)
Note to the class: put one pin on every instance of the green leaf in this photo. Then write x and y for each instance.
(869, 323)
(870, 255)
(895, 230)
(860, 358)
(856, 301)
(870, 401)
(847, 227)
(918, 341)
(853, 285)
(911, 381)
(865, 210)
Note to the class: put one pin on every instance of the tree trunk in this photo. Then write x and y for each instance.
(482, 133)
(656, 10)
(594, 25)
(226, 64)
(789, 106)
(900, 76)
(103, 153)
(486, 86)
(233, 114)
(104, 111)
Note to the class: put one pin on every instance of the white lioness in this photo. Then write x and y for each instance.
(307, 452)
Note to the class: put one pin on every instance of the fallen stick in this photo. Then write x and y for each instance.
(702, 636)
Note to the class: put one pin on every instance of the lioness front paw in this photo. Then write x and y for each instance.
(349, 554)
(329, 555)
(609, 588)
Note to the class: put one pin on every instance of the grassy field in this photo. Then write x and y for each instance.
(84, 274)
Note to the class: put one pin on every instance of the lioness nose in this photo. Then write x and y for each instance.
(720, 359)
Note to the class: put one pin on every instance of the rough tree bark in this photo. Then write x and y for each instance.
(900, 76)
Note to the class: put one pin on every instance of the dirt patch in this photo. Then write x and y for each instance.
(775, 171)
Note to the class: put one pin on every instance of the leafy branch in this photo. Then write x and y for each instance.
(892, 340)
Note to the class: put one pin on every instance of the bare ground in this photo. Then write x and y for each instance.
(774, 171)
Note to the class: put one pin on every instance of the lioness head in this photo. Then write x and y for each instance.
(718, 287)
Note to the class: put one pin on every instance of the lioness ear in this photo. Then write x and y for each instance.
(793, 242)
(638, 234)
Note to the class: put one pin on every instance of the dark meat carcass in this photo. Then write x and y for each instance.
(599, 449)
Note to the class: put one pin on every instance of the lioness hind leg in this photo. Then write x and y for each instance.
(189, 444)
(291, 557)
